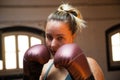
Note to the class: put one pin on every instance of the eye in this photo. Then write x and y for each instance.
(60, 38)
(49, 37)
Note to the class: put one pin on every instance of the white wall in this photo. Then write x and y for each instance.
(99, 14)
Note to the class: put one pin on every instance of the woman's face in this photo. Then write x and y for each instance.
(57, 34)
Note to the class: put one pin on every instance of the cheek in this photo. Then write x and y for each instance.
(60, 44)
(66, 41)
(47, 42)
(69, 39)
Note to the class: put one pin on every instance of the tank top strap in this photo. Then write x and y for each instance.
(45, 77)
(68, 77)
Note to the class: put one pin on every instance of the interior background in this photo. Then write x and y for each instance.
(100, 15)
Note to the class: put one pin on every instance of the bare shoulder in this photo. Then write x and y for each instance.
(95, 68)
(92, 61)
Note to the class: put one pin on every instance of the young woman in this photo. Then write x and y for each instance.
(61, 29)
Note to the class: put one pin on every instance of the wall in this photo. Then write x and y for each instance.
(99, 15)
(92, 41)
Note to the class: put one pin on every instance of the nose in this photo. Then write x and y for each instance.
(54, 44)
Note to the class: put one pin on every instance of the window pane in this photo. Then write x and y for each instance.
(1, 64)
(23, 44)
(116, 46)
(10, 52)
(35, 41)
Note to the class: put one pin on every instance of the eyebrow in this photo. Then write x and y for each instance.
(60, 35)
(56, 35)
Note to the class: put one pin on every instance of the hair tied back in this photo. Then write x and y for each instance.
(75, 13)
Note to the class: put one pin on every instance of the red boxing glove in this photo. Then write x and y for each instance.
(70, 56)
(33, 61)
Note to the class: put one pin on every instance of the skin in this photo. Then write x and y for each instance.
(58, 34)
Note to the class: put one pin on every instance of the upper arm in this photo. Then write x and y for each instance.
(95, 68)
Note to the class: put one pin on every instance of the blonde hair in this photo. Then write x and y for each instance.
(69, 14)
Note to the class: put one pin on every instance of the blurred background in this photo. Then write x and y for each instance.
(22, 24)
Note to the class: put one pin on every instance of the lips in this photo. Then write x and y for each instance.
(53, 52)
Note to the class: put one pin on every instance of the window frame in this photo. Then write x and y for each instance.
(112, 65)
(17, 29)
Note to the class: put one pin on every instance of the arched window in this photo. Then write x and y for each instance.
(14, 41)
(113, 47)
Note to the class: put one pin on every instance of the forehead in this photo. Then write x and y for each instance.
(57, 27)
